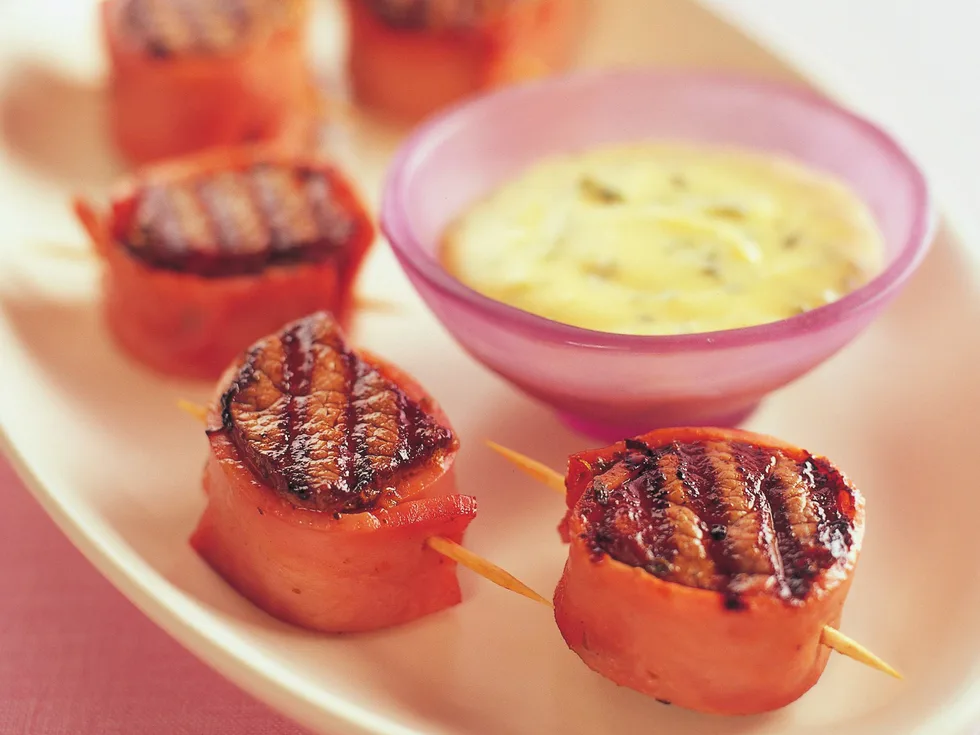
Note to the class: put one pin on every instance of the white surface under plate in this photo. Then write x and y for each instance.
(101, 445)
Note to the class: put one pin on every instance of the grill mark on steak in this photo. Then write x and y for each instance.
(237, 227)
(322, 426)
(236, 222)
(165, 28)
(690, 540)
(279, 197)
(419, 15)
(719, 515)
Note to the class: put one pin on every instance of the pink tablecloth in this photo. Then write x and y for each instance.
(76, 658)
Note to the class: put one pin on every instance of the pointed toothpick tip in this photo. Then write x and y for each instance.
(534, 469)
(61, 251)
(375, 304)
(193, 409)
(486, 569)
(833, 638)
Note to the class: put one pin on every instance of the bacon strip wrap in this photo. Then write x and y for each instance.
(257, 90)
(703, 565)
(184, 324)
(408, 73)
(332, 570)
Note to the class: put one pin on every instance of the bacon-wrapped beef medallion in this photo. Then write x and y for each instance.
(329, 470)
(205, 256)
(704, 564)
(193, 74)
(409, 58)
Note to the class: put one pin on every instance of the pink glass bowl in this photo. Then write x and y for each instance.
(612, 385)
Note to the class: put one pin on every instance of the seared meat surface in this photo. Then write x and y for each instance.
(721, 515)
(232, 222)
(326, 428)
(167, 27)
(437, 14)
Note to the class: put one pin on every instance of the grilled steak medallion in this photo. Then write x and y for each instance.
(230, 222)
(188, 76)
(722, 515)
(410, 58)
(703, 565)
(329, 470)
(204, 255)
(323, 426)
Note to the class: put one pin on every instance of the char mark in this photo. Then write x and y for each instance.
(812, 509)
(419, 15)
(730, 517)
(238, 222)
(322, 426)
(167, 28)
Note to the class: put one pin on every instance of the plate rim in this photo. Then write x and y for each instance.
(186, 621)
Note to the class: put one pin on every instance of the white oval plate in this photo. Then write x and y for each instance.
(101, 444)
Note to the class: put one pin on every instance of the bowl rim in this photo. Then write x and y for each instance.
(394, 222)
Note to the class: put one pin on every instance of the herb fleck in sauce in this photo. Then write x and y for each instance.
(666, 239)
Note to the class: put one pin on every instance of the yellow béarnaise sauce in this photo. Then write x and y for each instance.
(666, 239)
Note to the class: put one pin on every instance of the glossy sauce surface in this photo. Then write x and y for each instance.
(666, 239)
